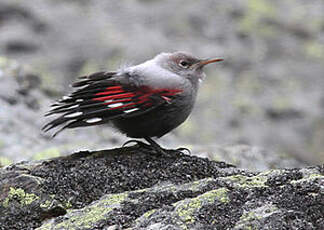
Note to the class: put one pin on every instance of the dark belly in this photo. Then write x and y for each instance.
(154, 123)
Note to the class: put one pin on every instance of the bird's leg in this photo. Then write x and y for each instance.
(140, 143)
(155, 146)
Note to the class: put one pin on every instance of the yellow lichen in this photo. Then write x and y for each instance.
(244, 181)
(46, 204)
(20, 195)
(187, 207)
(308, 178)
(91, 214)
(149, 213)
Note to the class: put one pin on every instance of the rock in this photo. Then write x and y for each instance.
(135, 188)
(23, 103)
(248, 157)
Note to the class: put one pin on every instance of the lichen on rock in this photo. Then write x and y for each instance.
(137, 189)
(19, 195)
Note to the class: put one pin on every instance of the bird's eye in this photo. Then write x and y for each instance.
(184, 64)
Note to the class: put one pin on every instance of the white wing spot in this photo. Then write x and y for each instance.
(66, 97)
(108, 101)
(115, 105)
(73, 115)
(130, 110)
(79, 100)
(73, 107)
(94, 120)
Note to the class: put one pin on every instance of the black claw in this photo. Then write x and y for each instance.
(154, 147)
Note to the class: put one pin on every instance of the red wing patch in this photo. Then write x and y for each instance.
(117, 98)
(100, 99)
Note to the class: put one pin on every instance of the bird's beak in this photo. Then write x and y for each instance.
(208, 61)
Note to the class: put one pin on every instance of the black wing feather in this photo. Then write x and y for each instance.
(78, 108)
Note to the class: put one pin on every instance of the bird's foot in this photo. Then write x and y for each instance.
(156, 147)
(153, 145)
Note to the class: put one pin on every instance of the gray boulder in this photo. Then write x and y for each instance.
(135, 188)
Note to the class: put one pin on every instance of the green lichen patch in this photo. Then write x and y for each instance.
(245, 181)
(68, 205)
(89, 216)
(185, 209)
(308, 178)
(46, 204)
(220, 194)
(149, 213)
(19, 195)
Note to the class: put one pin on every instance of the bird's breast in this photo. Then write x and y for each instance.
(158, 121)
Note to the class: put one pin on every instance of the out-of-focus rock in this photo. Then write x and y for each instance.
(135, 188)
(23, 103)
(248, 157)
(268, 92)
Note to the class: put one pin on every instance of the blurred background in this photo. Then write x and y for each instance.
(261, 108)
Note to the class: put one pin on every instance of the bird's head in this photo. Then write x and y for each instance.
(184, 64)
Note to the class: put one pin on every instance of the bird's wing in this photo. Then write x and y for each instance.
(101, 97)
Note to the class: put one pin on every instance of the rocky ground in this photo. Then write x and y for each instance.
(135, 188)
(269, 92)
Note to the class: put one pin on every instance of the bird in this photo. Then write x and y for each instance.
(146, 101)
